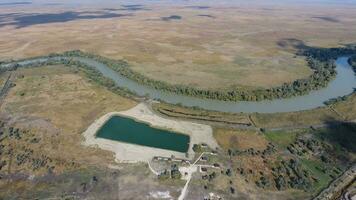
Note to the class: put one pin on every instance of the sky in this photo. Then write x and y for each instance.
(200, 2)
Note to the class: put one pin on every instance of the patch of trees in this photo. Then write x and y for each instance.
(352, 62)
(319, 150)
(337, 99)
(172, 173)
(327, 54)
(210, 177)
(270, 149)
(197, 148)
(285, 175)
(24, 156)
(290, 174)
(303, 146)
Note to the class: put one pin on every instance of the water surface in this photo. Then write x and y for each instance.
(130, 131)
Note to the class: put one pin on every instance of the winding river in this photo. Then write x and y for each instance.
(343, 84)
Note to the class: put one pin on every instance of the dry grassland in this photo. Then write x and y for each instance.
(218, 47)
(240, 139)
(67, 101)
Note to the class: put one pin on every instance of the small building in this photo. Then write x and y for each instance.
(203, 170)
(214, 152)
(204, 145)
(216, 165)
(204, 158)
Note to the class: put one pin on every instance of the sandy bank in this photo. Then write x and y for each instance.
(124, 152)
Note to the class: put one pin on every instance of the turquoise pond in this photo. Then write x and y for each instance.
(127, 130)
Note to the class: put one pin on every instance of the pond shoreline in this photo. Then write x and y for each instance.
(125, 152)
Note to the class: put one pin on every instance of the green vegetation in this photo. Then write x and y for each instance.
(172, 173)
(337, 99)
(200, 114)
(323, 153)
(281, 138)
(342, 136)
(352, 62)
(315, 167)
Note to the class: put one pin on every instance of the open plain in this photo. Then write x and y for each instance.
(49, 114)
(206, 47)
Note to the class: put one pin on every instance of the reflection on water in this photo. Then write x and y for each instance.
(129, 131)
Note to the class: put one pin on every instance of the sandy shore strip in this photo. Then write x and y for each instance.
(124, 152)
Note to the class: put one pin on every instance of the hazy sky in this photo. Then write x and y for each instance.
(177, 2)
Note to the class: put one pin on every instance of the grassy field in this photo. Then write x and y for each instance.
(295, 119)
(281, 138)
(239, 139)
(63, 96)
(347, 108)
(314, 166)
(250, 46)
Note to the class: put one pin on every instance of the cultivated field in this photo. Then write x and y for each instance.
(207, 47)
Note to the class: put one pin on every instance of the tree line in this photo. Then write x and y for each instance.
(352, 62)
(320, 60)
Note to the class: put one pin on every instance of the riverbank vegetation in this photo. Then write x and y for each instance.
(320, 60)
(352, 62)
(58, 59)
(201, 115)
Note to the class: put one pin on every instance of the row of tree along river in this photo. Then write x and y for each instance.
(332, 77)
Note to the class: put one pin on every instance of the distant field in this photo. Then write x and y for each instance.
(214, 47)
